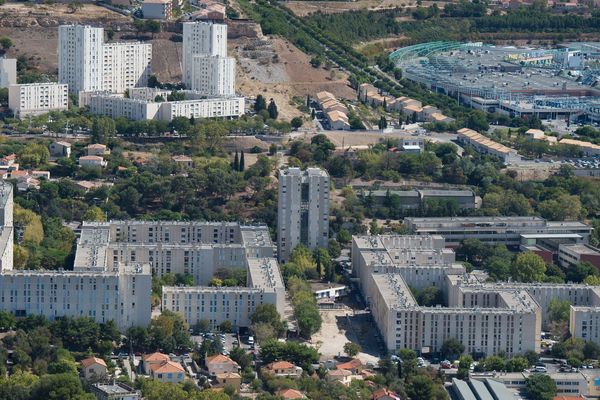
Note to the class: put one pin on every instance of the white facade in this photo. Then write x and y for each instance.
(86, 63)
(143, 107)
(8, 72)
(213, 75)
(202, 38)
(37, 98)
(303, 210)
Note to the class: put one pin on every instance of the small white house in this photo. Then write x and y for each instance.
(93, 367)
(92, 162)
(60, 149)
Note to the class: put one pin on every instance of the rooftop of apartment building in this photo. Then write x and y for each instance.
(264, 273)
(580, 249)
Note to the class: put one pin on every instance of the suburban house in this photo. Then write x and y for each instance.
(60, 149)
(355, 366)
(291, 394)
(97, 149)
(93, 368)
(153, 359)
(340, 375)
(92, 162)
(221, 364)
(283, 369)
(183, 161)
(229, 378)
(167, 371)
(385, 394)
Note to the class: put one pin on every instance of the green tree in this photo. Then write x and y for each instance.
(452, 348)
(352, 349)
(103, 129)
(60, 387)
(559, 310)
(242, 162)
(6, 43)
(517, 364)
(7, 321)
(272, 109)
(296, 122)
(94, 213)
(580, 271)
(75, 5)
(268, 314)
(529, 267)
(421, 387)
(464, 366)
(260, 103)
(540, 387)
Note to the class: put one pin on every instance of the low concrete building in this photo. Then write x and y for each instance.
(94, 368)
(114, 391)
(330, 291)
(587, 148)
(183, 161)
(232, 379)
(570, 255)
(157, 9)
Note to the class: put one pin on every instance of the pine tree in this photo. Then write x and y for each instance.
(242, 164)
(384, 104)
(313, 114)
(236, 162)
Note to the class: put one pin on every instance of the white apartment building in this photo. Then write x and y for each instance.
(37, 98)
(486, 317)
(234, 304)
(205, 40)
(143, 107)
(8, 72)
(213, 75)
(86, 63)
(303, 210)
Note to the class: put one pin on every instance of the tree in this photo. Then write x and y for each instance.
(559, 310)
(591, 350)
(75, 6)
(7, 321)
(268, 314)
(94, 213)
(352, 349)
(6, 43)
(540, 387)
(103, 129)
(153, 27)
(272, 109)
(421, 387)
(494, 363)
(226, 326)
(236, 162)
(60, 387)
(452, 348)
(529, 267)
(296, 122)
(464, 366)
(242, 162)
(517, 364)
(110, 34)
(382, 124)
(260, 103)
(580, 271)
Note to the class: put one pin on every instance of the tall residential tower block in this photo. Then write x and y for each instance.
(303, 212)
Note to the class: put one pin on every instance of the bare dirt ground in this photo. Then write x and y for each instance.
(341, 326)
(304, 8)
(277, 69)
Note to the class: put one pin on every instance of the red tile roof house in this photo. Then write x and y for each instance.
(220, 364)
(167, 371)
(283, 369)
(153, 359)
(93, 367)
(385, 394)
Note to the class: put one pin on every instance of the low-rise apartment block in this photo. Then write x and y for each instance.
(510, 231)
(37, 98)
(335, 111)
(485, 145)
(142, 107)
(588, 149)
(157, 9)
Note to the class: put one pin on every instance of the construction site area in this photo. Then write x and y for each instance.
(557, 83)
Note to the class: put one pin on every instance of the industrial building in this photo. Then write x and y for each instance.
(510, 231)
(547, 83)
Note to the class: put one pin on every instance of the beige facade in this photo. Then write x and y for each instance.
(37, 98)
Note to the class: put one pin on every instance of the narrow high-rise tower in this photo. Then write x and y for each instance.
(303, 213)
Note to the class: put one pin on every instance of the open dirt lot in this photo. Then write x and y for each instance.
(341, 326)
(277, 69)
(303, 8)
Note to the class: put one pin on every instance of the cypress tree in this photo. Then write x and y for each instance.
(242, 161)
(236, 162)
